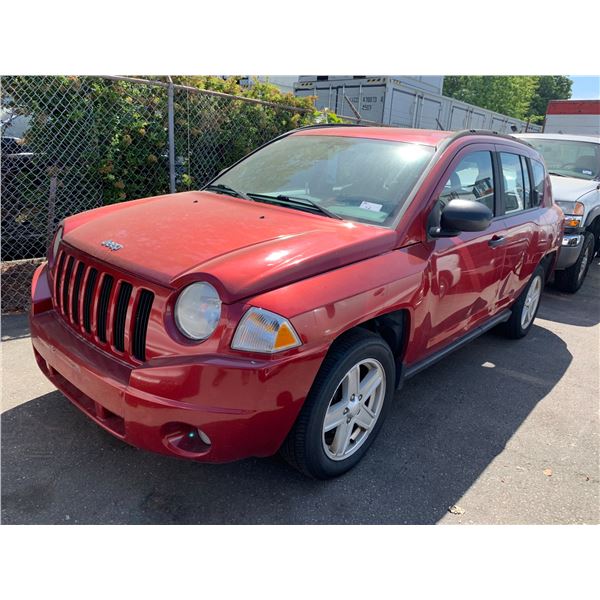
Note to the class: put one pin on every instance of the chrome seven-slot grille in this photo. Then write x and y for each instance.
(83, 295)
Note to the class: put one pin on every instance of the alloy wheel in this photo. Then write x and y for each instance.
(354, 409)
(531, 302)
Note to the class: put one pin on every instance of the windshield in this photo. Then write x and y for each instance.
(360, 179)
(569, 158)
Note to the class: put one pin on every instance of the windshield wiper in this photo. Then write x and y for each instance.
(298, 202)
(557, 174)
(221, 188)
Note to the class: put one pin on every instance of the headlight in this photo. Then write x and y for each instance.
(198, 310)
(58, 236)
(566, 207)
(263, 331)
(574, 212)
(571, 221)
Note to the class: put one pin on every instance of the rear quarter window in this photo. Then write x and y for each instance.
(538, 174)
(514, 177)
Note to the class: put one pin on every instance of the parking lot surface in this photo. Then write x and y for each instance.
(504, 431)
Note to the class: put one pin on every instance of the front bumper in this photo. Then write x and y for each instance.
(246, 407)
(569, 251)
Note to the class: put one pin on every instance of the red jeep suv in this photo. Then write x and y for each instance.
(280, 307)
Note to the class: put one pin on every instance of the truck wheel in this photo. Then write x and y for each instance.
(570, 280)
(525, 309)
(345, 408)
(594, 229)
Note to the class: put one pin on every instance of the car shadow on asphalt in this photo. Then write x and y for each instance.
(446, 427)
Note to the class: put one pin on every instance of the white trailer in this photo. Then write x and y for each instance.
(403, 103)
(579, 117)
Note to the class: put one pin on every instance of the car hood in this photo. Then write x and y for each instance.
(242, 247)
(570, 189)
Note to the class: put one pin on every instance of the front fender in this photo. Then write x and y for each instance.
(323, 307)
(592, 204)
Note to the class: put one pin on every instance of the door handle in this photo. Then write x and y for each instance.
(496, 240)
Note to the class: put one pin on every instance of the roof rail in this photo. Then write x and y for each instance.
(467, 132)
(323, 125)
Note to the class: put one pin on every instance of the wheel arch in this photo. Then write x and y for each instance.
(548, 263)
(593, 218)
(593, 226)
(393, 327)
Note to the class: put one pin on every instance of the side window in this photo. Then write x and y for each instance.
(526, 184)
(513, 177)
(472, 179)
(539, 176)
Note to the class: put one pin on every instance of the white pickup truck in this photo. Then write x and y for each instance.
(573, 162)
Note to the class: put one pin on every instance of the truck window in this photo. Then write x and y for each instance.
(569, 158)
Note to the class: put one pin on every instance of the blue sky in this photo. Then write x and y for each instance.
(585, 88)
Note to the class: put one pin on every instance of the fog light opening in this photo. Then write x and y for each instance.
(186, 439)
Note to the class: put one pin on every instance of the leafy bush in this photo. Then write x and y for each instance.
(98, 134)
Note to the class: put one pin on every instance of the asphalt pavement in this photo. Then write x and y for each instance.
(503, 431)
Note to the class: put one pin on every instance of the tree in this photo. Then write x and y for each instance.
(522, 97)
(550, 87)
(509, 95)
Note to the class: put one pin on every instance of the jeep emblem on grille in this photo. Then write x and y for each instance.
(111, 245)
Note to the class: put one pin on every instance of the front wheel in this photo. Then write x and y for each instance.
(345, 408)
(525, 308)
(570, 280)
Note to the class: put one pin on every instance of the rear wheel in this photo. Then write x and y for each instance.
(570, 280)
(345, 408)
(525, 309)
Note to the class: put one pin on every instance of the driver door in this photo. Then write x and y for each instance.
(466, 268)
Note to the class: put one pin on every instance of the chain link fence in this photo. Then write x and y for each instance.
(71, 144)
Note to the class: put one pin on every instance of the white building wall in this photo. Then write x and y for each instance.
(575, 124)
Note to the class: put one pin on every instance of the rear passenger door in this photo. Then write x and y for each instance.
(520, 205)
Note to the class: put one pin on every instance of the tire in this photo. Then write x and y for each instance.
(524, 310)
(359, 357)
(594, 229)
(570, 280)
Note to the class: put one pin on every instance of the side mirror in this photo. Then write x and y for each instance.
(462, 215)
